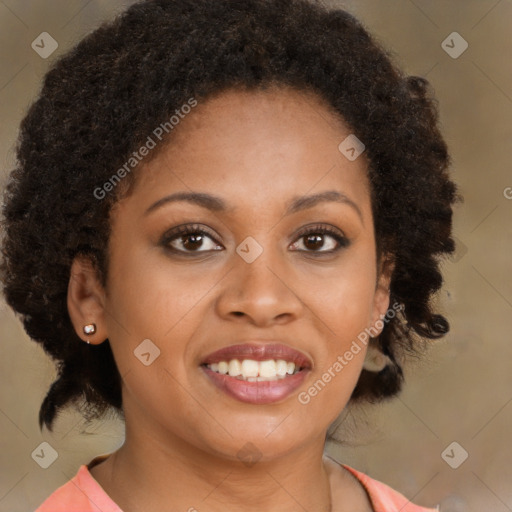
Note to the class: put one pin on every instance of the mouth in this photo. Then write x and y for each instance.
(256, 373)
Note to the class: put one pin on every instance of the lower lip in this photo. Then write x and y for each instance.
(265, 392)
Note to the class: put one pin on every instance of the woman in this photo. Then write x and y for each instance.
(225, 225)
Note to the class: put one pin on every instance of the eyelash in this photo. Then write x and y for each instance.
(195, 229)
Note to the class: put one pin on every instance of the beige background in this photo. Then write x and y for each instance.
(461, 393)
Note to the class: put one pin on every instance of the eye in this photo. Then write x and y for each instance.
(195, 239)
(189, 239)
(315, 237)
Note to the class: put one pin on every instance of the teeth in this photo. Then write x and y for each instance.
(281, 367)
(235, 368)
(250, 368)
(255, 371)
(267, 369)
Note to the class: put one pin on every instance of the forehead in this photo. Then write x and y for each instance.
(257, 147)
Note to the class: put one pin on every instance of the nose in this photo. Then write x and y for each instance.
(261, 292)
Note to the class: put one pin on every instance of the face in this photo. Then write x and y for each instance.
(259, 267)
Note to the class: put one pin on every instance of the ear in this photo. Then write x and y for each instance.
(382, 291)
(86, 300)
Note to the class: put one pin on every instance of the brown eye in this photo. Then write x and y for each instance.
(314, 242)
(192, 242)
(189, 239)
(322, 240)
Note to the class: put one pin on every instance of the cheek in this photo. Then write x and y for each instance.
(150, 299)
(341, 305)
(147, 302)
(339, 363)
(342, 295)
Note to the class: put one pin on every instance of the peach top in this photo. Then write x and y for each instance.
(84, 494)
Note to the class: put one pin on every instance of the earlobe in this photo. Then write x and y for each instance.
(375, 360)
(85, 300)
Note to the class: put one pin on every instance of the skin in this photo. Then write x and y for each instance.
(257, 151)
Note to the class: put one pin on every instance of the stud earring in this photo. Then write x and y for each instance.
(89, 329)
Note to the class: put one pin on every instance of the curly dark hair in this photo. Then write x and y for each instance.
(100, 101)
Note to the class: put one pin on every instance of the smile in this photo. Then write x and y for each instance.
(255, 371)
(257, 374)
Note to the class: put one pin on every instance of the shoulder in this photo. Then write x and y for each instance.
(383, 497)
(79, 494)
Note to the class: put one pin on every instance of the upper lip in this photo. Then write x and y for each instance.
(259, 352)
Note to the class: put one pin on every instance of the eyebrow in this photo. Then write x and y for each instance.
(217, 204)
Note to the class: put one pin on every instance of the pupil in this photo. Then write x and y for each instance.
(316, 240)
(197, 239)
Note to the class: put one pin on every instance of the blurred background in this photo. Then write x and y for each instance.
(446, 439)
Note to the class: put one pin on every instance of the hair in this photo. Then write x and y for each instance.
(101, 100)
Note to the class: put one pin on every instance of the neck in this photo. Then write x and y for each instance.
(147, 474)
